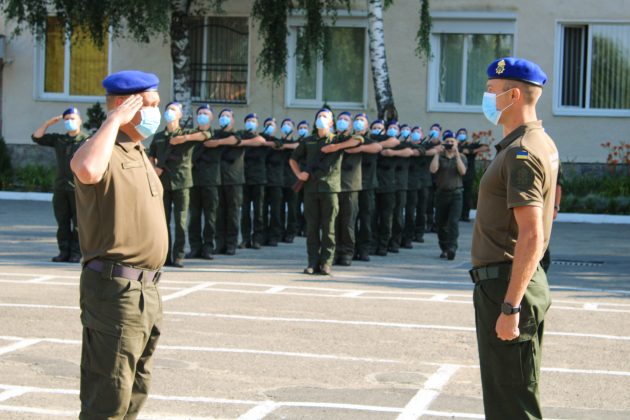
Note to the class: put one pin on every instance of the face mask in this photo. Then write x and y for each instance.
(286, 129)
(322, 123)
(71, 125)
(462, 137)
(377, 131)
(169, 115)
(269, 129)
(303, 132)
(203, 119)
(448, 146)
(358, 125)
(433, 134)
(151, 118)
(415, 136)
(250, 125)
(392, 132)
(224, 121)
(405, 133)
(342, 125)
(489, 107)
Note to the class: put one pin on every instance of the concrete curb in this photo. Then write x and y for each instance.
(562, 217)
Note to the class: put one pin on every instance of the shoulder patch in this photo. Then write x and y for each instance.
(522, 154)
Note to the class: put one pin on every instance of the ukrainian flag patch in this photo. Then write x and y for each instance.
(523, 154)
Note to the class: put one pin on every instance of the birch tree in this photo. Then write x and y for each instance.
(378, 62)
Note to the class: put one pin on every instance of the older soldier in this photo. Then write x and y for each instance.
(512, 230)
(119, 201)
(64, 204)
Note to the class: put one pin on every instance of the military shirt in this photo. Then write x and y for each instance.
(351, 166)
(523, 173)
(414, 180)
(289, 177)
(471, 159)
(324, 168)
(119, 217)
(206, 163)
(447, 177)
(275, 163)
(386, 173)
(174, 160)
(232, 160)
(424, 173)
(369, 163)
(255, 161)
(65, 146)
(401, 168)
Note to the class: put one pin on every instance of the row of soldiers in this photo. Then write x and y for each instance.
(370, 182)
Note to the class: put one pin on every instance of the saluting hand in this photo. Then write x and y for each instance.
(125, 112)
(54, 120)
(507, 327)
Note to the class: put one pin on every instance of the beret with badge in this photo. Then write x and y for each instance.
(519, 69)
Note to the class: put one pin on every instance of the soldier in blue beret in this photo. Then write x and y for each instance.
(515, 211)
(119, 200)
(289, 217)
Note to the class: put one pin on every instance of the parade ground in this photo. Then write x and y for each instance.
(249, 336)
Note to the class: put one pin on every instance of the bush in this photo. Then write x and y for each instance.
(6, 170)
(33, 178)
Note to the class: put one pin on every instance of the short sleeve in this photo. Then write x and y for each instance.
(299, 152)
(524, 176)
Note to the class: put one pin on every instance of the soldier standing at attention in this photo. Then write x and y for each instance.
(413, 190)
(386, 193)
(401, 162)
(512, 230)
(351, 179)
(433, 140)
(171, 154)
(469, 149)
(272, 211)
(119, 200)
(449, 168)
(204, 198)
(322, 177)
(289, 197)
(64, 202)
(304, 132)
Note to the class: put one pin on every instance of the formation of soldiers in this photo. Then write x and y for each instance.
(355, 188)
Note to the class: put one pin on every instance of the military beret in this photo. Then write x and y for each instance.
(346, 113)
(417, 127)
(205, 106)
(127, 82)
(462, 130)
(225, 110)
(361, 114)
(269, 119)
(71, 110)
(448, 134)
(393, 122)
(376, 122)
(437, 125)
(175, 103)
(250, 115)
(322, 110)
(512, 68)
(403, 126)
(303, 122)
(287, 120)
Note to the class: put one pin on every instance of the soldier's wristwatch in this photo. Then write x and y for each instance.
(508, 309)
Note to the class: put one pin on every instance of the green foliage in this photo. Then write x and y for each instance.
(6, 170)
(96, 116)
(33, 178)
(423, 48)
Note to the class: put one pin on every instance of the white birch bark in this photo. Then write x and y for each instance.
(378, 61)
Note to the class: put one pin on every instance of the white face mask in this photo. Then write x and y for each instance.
(151, 118)
(489, 106)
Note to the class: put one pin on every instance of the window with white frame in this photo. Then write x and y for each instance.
(71, 68)
(593, 69)
(340, 81)
(463, 45)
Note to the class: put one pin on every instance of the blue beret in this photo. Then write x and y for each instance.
(269, 119)
(403, 126)
(361, 114)
(417, 127)
(462, 129)
(437, 125)
(250, 115)
(287, 120)
(447, 134)
(346, 113)
(205, 106)
(513, 68)
(322, 110)
(71, 110)
(127, 82)
(376, 122)
(225, 110)
(303, 122)
(177, 104)
(393, 122)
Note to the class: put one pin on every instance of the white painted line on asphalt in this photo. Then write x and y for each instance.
(185, 292)
(41, 279)
(439, 298)
(19, 345)
(351, 294)
(11, 393)
(432, 388)
(590, 306)
(260, 411)
(275, 289)
(455, 415)
(42, 411)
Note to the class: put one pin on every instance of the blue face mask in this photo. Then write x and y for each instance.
(405, 133)
(462, 137)
(269, 129)
(377, 131)
(358, 125)
(322, 123)
(433, 134)
(170, 115)
(286, 129)
(224, 121)
(415, 136)
(342, 125)
(489, 107)
(203, 119)
(303, 132)
(392, 132)
(71, 125)
(151, 118)
(250, 125)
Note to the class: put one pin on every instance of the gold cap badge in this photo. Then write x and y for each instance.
(500, 67)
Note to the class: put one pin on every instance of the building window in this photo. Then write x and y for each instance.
(463, 45)
(219, 59)
(340, 81)
(593, 69)
(71, 69)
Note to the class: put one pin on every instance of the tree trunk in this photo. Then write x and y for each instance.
(180, 56)
(378, 61)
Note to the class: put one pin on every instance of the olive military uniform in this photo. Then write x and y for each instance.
(402, 180)
(176, 164)
(414, 187)
(523, 173)
(545, 262)
(351, 184)
(366, 243)
(273, 192)
(252, 222)
(121, 309)
(289, 199)
(448, 201)
(385, 202)
(230, 194)
(321, 203)
(425, 180)
(64, 203)
(468, 150)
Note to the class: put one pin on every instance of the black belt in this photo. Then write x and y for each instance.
(491, 272)
(123, 271)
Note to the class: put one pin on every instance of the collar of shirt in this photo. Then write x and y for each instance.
(516, 134)
(327, 139)
(125, 142)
